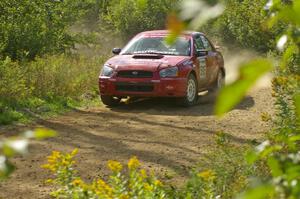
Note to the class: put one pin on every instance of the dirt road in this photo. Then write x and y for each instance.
(164, 137)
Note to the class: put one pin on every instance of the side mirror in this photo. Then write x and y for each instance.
(201, 53)
(116, 51)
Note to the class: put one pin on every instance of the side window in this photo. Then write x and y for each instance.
(206, 43)
(199, 44)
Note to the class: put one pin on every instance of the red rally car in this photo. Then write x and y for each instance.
(148, 67)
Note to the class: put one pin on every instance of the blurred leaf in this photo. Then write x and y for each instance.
(11, 147)
(294, 138)
(251, 157)
(7, 150)
(291, 14)
(175, 26)
(6, 168)
(292, 172)
(297, 104)
(259, 192)
(274, 166)
(40, 133)
(232, 94)
(282, 42)
(44, 133)
(142, 3)
(270, 150)
(198, 12)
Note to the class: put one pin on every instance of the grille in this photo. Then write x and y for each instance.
(134, 87)
(135, 74)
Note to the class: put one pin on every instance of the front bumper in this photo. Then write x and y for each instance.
(164, 87)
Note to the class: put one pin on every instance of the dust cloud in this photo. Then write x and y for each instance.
(233, 61)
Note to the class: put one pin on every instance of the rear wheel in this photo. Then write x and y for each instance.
(191, 96)
(110, 100)
(219, 83)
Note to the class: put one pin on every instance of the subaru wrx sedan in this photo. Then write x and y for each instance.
(149, 67)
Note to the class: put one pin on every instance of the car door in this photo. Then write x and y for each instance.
(211, 60)
(201, 61)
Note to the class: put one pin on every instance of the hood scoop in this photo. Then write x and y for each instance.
(147, 56)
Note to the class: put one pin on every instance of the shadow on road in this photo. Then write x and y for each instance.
(168, 106)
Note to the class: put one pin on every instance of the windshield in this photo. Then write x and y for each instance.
(157, 45)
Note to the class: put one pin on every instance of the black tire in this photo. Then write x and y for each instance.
(219, 83)
(191, 96)
(110, 100)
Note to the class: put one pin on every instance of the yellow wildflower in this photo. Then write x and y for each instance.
(77, 182)
(54, 157)
(207, 175)
(143, 173)
(104, 188)
(148, 187)
(65, 162)
(133, 163)
(50, 167)
(157, 183)
(49, 181)
(74, 152)
(114, 166)
(124, 196)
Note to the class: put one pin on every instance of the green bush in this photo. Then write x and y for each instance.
(129, 17)
(37, 27)
(13, 86)
(49, 84)
(244, 23)
(62, 76)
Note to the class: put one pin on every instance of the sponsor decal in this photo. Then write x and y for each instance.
(202, 62)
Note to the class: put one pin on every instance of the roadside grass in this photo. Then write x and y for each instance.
(222, 173)
(47, 86)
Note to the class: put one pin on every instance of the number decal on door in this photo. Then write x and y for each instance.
(202, 62)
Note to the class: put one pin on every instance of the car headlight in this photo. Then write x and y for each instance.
(107, 71)
(169, 72)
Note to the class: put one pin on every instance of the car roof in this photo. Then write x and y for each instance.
(165, 32)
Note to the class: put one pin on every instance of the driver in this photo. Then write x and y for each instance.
(151, 45)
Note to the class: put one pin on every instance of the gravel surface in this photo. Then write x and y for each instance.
(165, 137)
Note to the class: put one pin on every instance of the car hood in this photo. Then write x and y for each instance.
(144, 62)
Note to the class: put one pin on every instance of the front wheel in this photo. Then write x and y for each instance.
(191, 96)
(110, 100)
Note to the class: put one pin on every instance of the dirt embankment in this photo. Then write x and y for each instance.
(166, 138)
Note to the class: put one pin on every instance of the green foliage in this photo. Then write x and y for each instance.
(49, 84)
(11, 147)
(281, 151)
(222, 173)
(63, 76)
(243, 23)
(129, 17)
(132, 183)
(12, 82)
(228, 170)
(35, 27)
